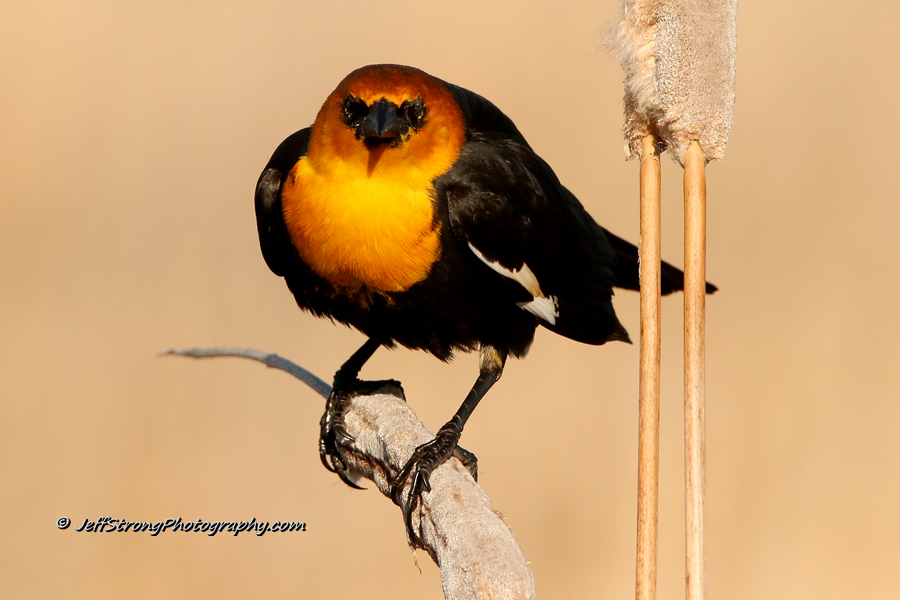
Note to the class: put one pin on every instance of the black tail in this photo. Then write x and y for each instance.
(626, 269)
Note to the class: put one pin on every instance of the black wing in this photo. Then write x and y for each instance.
(507, 209)
(506, 202)
(273, 236)
(484, 118)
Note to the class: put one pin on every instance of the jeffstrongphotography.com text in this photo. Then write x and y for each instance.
(110, 525)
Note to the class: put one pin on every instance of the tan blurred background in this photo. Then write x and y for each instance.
(131, 137)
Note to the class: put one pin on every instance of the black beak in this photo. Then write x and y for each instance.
(382, 122)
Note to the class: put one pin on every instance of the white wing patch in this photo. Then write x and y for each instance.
(543, 307)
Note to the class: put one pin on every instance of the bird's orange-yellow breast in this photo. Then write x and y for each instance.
(356, 231)
(365, 217)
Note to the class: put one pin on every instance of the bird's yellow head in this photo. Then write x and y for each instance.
(382, 119)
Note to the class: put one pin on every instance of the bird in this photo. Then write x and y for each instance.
(416, 212)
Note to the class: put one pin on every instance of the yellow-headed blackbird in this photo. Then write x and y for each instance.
(416, 212)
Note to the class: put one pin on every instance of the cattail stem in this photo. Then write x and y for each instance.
(648, 431)
(694, 359)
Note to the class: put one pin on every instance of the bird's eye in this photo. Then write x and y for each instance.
(353, 110)
(414, 111)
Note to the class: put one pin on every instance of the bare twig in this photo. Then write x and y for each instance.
(474, 548)
(269, 359)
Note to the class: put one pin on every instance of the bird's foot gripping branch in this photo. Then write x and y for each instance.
(416, 474)
(454, 521)
(409, 483)
(333, 431)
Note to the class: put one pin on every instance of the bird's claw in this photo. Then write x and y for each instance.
(332, 431)
(424, 460)
(468, 460)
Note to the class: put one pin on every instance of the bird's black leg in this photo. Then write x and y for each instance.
(427, 457)
(332, 429)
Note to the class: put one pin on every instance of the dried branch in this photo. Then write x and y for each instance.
(269, 359)
(474, 548)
